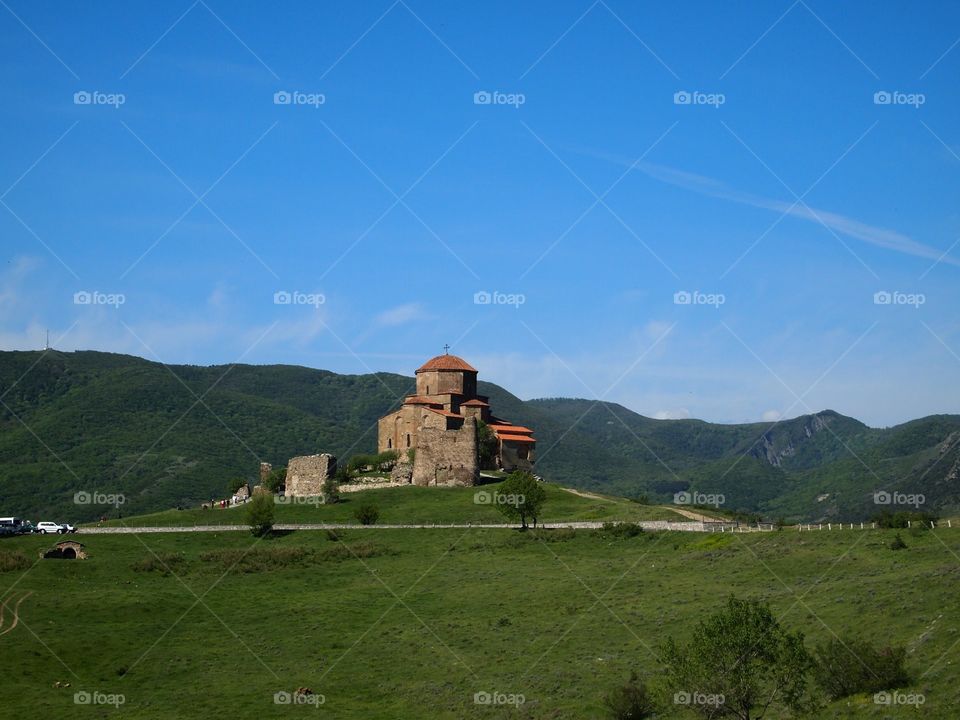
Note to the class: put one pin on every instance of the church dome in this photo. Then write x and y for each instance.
(447, 362)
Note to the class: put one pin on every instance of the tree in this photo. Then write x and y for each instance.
(520, 497)
(486, 446)
(739, 663)
(629, 701)
(276, 478)
(260, 514)
(235, 484)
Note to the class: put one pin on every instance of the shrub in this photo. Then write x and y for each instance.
(163, 563)
(260, 514)
(897, 543)
(847, 667)
(367, 514)
(904, 519)
(13, 560)
(629, 701)
(276, 478)
(330, 491)
(620, 530)
(235, 484)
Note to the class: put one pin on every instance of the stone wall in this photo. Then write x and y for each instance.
(446, 457)
(306, 474)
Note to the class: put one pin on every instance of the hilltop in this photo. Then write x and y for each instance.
(169, 436)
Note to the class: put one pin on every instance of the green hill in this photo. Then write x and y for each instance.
(168, 436)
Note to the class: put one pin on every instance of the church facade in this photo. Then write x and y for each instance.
(439, 426)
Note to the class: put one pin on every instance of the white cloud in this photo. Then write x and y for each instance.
(841, 224)
(771, 416)
(401, 315)
(678, 414)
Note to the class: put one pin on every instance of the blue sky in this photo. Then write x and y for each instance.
(816, 164)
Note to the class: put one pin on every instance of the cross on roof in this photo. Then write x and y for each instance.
(446, 349)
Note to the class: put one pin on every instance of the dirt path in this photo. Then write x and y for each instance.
(680, 511)
(16, 612)
(584, 493)
(691, 514)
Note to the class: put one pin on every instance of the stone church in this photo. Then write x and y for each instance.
(440, 424)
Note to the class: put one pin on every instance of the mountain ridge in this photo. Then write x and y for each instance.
(169, 435)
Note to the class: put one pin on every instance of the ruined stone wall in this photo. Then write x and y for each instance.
(446, 457)
(306, 474)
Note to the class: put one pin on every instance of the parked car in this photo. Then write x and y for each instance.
(7, 531)
(46, 528)
(68, 528)
(15, 526)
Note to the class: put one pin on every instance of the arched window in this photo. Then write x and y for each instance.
(389, 443)
(408, 439)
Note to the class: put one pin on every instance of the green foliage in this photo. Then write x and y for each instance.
(897, 543)
(904, 519)
(521, 497)
(380, 462)
(260, 514)
(742, 654)
(330, 490)
(234, 485)
(486, 446)
(367, 513)
(276, 479)
(411, 455)
(629, 701)
(100, 411)
(620, 530)
(850, 666)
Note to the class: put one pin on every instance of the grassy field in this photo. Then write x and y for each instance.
(412, 623)
(418, 505)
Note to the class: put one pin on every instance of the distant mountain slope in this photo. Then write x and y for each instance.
(174, 435)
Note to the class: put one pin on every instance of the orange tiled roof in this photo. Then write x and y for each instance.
(510, 429)
(447, 362)
(476, 403)
(515, 438)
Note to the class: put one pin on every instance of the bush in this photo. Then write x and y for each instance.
(847, 667)
(13, 560)
(904, 519)
(276, 478)
(897, 543)
(330, 491)
(260, 514)
(620, 530)
(235, 484)
(367, 514)
(629, 701)
(163, 563)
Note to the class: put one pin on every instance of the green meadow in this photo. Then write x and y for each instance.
(413, 623)
(412, 505)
